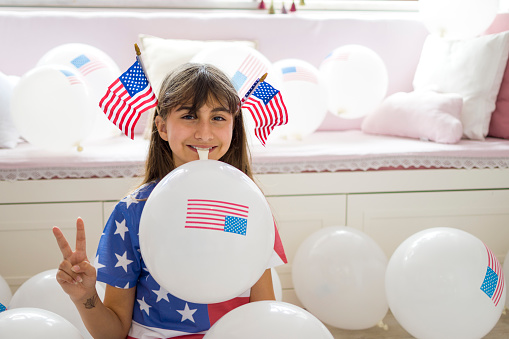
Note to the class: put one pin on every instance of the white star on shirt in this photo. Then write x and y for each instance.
(121, 228)
(187, 313)
(129, 200)
(161, 294)
(144, 306)
(97, 265)
(123, 261)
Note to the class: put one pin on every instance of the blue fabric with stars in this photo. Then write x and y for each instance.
(265, 92)
(119, 263)
(490, 282)
(134, 79)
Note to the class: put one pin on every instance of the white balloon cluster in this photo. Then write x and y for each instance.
(349, 83)
(439, 283)
(38, 303)
(55, 104)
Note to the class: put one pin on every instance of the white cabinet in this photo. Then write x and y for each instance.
(297, 218)
(27, 244)
(390, 218)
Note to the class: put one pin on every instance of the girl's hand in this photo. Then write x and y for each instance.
(75, 274)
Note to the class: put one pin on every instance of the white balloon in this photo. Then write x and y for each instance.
(276, 284)
(5, 294)
(98, 71)
(304, 96)
(356, 80)
(206, 260)
(268, 320)
(338, 274)
(439, 285)
(9, 135)
(36, 323)
(458, 19)
(44, 292)
(50, 107)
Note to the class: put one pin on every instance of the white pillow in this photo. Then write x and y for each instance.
(160, 56)
(473, 68)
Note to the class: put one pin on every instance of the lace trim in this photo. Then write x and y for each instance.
(364, 164)
(376, 163)
(71, 172)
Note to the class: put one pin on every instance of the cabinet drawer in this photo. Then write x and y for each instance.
(391, 218)
(27, 244)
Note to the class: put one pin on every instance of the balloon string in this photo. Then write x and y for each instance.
(381, 324)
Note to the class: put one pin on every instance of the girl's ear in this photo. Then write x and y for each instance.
(161, 128)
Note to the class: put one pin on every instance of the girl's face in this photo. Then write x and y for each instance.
(210, 127)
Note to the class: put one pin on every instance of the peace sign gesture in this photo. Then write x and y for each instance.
(75, 274)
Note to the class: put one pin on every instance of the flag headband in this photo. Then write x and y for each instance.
(131, 95)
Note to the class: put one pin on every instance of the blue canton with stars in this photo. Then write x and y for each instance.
(235, 225)
(134, 79)
(490, 282)
(119, 263)
(265, 92)
(80, 61)
(238, 80)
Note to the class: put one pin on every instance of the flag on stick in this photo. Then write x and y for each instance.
(127, 98)
(267, 108)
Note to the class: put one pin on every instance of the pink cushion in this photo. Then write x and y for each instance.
(499, 123)
(422, 115)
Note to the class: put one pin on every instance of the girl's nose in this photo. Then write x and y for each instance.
(203, 131)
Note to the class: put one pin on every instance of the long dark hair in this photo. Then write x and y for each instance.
(197, 84)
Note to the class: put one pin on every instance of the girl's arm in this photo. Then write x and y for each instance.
(263, 289)
(77, 277)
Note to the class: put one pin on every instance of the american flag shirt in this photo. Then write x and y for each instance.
(156, 313)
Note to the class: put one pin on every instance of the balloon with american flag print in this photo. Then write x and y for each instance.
(444, 282)
(305, 98)
(207, 233)
(51, 109)
(97, 69)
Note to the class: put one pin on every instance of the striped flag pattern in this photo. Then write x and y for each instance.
(127, 98)
(493, 284)
(217, 215)
(268, 110)
(250, 70)
(87, 65)
(297, 73)
(71, 77)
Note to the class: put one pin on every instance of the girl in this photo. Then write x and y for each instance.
(198, 109)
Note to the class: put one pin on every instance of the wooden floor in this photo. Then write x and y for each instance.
(395, 331)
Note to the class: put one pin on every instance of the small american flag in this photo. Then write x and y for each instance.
(217, 215)
(87, 65)
(247, 73)
(127, 98)
(268, 110)
(71, 77)
(493, 284)
(297, 73)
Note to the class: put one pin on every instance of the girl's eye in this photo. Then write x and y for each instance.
(219, 118)
(188, 116)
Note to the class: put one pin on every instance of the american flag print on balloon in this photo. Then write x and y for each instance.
(493, 283)
(248, 72)
(217, 215)
(87, 64)
(298, 73)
